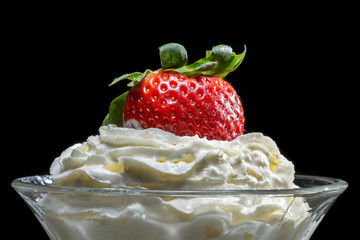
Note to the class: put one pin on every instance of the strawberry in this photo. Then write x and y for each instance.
(186, 100)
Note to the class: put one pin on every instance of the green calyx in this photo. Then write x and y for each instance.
(219, 61)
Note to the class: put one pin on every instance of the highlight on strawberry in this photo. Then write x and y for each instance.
(183, 99)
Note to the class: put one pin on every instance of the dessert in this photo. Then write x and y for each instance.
(172, 157)
(126, 158)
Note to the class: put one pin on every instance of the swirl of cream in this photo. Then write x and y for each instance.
(155, 159)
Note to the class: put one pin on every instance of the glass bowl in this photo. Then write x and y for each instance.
(132, 214)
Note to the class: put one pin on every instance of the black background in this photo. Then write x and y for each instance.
(297, 83)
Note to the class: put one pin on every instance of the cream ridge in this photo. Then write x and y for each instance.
(155, 159)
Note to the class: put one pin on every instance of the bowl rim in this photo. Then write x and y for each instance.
(317, 185)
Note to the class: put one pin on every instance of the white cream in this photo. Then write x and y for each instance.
(154, 159)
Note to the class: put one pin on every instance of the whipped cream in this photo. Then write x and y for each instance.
(153, 159)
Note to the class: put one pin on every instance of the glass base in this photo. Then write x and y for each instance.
(98, 213)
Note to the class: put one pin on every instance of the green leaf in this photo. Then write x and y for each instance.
(219, 62)
(133, 77)
(116, 110)
(173, 55)
(129, 76)
(139, 78)
(197, 67)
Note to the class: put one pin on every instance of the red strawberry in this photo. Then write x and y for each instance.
(204, 105)
(186, 101)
